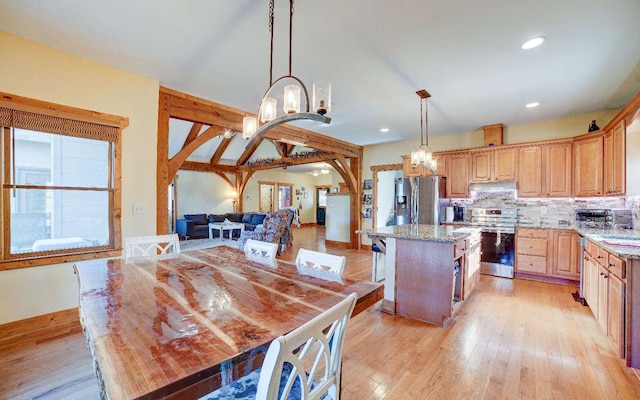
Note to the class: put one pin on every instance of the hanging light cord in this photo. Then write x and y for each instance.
(421, 126)
(290, 33)
(426, 122)
(271, 50)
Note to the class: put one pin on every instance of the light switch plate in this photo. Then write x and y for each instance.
(138, 208)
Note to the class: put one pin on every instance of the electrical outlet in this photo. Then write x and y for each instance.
(138, 208)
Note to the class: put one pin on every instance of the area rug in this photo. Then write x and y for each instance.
(197, 244)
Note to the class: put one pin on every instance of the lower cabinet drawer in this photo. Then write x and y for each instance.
(531, 246)
(531, 264)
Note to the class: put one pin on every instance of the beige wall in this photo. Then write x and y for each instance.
(36, 71)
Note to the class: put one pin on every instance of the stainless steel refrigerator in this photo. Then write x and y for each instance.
(420, 200)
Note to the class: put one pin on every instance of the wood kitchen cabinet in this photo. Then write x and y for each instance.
(545, 170)
(531, 250)
(604, 291)
(588, 166)
(494, 165)
(615, 160)
(471, 268)
(530, 171)
(566, 254)
(458, 166)
(557, 167)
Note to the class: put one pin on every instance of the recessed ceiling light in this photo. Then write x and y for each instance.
(533, 105)
(384, 130)
(532, 43)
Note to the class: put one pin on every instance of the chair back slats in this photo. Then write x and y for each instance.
(322, 261)
(150, 247)
(316, 344)
(261, 250)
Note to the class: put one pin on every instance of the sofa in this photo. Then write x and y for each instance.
(196, 226)
(193, 226)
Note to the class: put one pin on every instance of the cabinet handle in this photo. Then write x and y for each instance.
(601, 273)
(606, 276)
(600, 257)
(611, 265)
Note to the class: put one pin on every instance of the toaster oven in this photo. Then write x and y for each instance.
(604, 218)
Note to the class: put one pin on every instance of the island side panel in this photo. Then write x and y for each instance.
(388, 304)
(424, 279)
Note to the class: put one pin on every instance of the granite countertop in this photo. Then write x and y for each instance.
(435, 233)
(601, 237)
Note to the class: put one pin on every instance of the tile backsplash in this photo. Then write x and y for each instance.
(547, 210)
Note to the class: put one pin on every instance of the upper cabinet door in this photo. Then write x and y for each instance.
(614, 160)
(587, 166)
(505, 164)
(458, 175)
(481, 166)
(530, 172)
(557, 170)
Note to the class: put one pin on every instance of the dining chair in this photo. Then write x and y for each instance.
(322, 261)
(150, 247)
(303, 364)
(258, 249)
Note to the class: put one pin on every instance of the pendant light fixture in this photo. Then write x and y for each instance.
(267, 112)
(423, 155)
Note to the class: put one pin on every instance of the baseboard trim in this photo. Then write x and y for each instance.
(37, 323)
(335, 243)
(388, 306)
(307, 224)
(548, 279)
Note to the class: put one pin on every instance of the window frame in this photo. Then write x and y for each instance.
(76, 115)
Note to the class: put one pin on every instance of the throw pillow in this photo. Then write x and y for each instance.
(246, 218)
(257, 219)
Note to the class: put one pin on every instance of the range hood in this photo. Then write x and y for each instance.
(492, 186)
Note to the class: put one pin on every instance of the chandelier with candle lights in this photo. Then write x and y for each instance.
(267, 112)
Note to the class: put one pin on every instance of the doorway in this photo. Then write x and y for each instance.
(266, 196)
(384, 192)
(321, 204)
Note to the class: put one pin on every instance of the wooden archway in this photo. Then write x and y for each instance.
(345, 157)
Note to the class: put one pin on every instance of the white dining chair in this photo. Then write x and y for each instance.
(304, 364)
(262, 250)
(150, 247)
(323, 261)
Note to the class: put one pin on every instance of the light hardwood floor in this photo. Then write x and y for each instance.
(512, 339)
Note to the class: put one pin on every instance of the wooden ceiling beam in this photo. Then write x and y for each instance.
(193, 133)
(206, 167)
(176, 161)
(217, 155)
(289, 161)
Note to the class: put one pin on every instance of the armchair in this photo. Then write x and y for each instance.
(274, 226)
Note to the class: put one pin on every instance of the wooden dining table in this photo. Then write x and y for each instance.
(182, 327)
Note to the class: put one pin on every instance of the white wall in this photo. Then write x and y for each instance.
(43, 73)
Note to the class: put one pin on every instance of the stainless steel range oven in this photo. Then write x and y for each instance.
(497, 241)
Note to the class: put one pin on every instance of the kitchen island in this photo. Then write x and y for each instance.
(429, 269)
